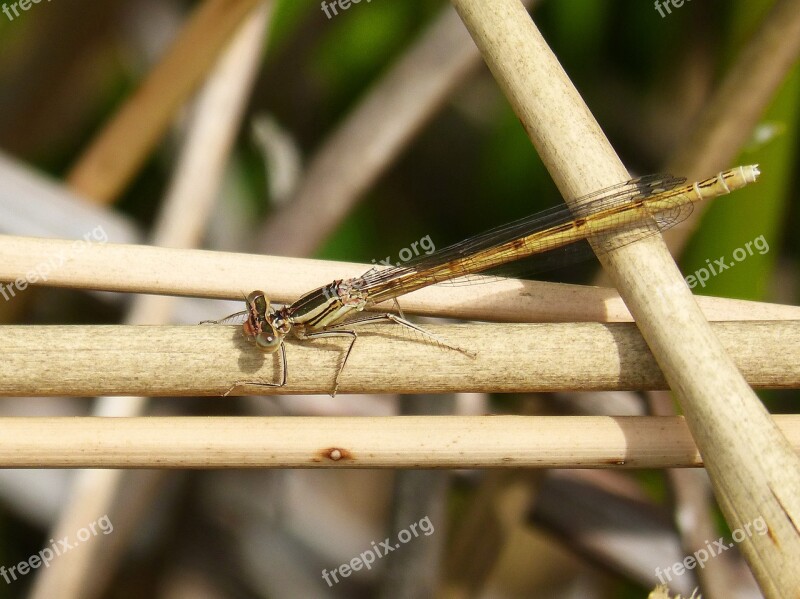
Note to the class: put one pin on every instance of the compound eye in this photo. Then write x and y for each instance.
(258, 300)
(267, 341)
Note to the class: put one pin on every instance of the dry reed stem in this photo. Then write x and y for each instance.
(355, 442)
(209, 359)
(225, 275)
(118, 151)
(722, 129)
(753, 469)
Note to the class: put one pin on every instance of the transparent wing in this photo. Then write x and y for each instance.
(544, 238)
(576, 252)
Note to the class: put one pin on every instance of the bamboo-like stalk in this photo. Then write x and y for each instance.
(209, 359)
(355, 442)
(225, 275)
(754, 471)
(122, 146)
(720, 131)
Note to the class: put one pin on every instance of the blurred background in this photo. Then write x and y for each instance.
(461, 163)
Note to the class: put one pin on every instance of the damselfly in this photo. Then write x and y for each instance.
(637, 208)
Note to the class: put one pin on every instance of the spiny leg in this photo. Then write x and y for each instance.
(408, 324)
(333, 331)
(318, 334)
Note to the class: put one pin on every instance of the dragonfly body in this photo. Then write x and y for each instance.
(636, 204)
(323, 307)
